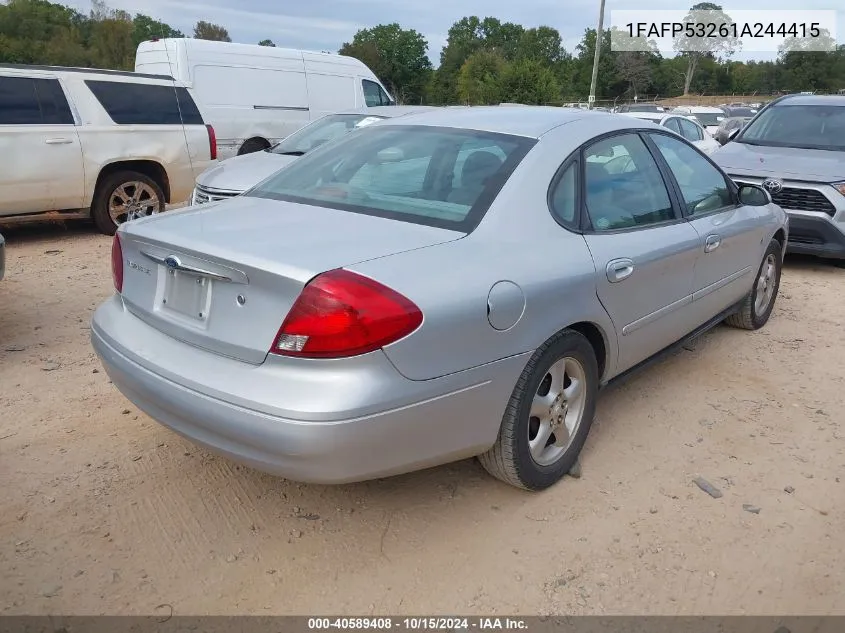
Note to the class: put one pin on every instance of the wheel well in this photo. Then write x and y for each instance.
(593, 334)
(256, 140)
(780, 236)
(149, 168)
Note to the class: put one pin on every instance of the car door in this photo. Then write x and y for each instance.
(730, 234)
(37, 129)
(643, 250)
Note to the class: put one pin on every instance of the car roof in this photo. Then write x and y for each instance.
(389, 111)
(812, 100)
(651, 116)
(703, 109)
(530, 121)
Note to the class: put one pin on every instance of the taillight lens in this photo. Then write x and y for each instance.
(341, 314)
(212, 142)
(117, 263)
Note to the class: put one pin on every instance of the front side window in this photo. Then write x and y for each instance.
(803, 126)
(623, 185)
(321, 131)
(374, 95)
(702, 185)
(404, 173)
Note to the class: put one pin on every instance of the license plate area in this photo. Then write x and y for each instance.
(186, 296)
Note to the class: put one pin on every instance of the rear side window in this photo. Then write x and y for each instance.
(145, 104)
(28, 101)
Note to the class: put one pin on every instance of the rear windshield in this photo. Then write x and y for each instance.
(442, 177)
(322, 130)
(803, 126)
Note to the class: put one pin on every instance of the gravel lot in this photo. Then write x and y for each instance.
(104, 511)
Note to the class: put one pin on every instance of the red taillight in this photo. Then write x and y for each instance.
(340, 314)
(117, 263)
(212, 142)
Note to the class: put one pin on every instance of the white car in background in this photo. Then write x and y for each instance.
(682, 125)
(709, 116)
(232, 177)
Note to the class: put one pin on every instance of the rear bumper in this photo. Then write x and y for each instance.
(815, 236)
(311, 421)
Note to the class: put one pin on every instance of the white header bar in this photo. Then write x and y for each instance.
(722, 32)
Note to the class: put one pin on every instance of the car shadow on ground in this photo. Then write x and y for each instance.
(30, 232)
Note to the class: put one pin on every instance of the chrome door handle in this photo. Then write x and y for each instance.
(712, 243)
(619, 269)
(58, 141)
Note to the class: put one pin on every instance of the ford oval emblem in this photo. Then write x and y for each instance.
(171, 261)
(772, 186)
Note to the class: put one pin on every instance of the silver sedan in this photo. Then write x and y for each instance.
(434, 287)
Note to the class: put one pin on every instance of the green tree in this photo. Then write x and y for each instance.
(145, 28)
(266, 43)
(467, 36)
(694, 49)
(207, 31)
(397, 56)
(111, 37)
(41, 32)
(529, 81)
(480, 78)
(543, 44)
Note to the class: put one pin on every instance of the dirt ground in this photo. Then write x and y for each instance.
(105, 511)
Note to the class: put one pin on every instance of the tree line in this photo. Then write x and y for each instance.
(484, 60)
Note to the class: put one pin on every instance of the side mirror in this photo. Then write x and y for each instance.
(733, 133)
(754, 196)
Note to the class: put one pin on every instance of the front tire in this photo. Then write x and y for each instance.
(548, 416)
(253, 145)
(123, 196)
(757, 306)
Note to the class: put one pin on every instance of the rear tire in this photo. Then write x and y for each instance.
(757, 306)
(253, 145)
(114, 188)
(520, 456)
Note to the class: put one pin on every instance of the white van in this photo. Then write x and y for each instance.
(254, 96)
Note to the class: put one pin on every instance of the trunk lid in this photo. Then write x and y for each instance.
(223, 276)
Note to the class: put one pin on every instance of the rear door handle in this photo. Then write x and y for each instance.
(619, 269)
(58, 141)
(712, 243)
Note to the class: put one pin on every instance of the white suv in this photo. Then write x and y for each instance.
(109, 145)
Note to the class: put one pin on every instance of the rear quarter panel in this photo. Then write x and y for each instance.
(183, 151)
(518, 241)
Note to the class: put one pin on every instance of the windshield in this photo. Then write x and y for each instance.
(644, 108)
(741, 112)
(326, 129)
(709, 118)
(804, 126)
(442, 177)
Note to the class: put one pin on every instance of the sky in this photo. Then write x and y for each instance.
(327, 24)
